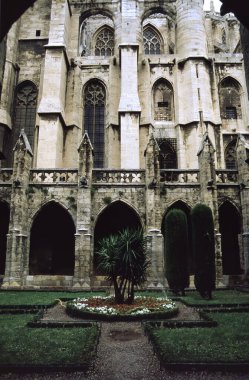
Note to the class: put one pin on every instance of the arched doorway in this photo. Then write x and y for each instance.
(52, 242)
(230, 224)
(115, 217)
(4, 227)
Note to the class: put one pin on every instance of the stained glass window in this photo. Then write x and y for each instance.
(152, 42)
(105, 43)
(25, 110)
(94, 119)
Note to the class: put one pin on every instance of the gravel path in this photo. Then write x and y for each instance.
(124, 353)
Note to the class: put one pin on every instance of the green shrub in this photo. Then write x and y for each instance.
(204, 249)
(122, 258)
(176, 250)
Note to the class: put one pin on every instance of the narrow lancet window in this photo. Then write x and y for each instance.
(94, 119)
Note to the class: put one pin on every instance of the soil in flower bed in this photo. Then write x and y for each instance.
(58, 313)
(106, 309)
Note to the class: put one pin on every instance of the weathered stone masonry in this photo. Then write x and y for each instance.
(133, 106)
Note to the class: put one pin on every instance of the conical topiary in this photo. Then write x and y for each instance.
(176, 250)
(203, 249)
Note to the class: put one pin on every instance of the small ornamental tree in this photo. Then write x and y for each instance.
(176, 250)
(204, 249)
(122, 258)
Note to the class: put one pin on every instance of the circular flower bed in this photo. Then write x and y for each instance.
(105, 308)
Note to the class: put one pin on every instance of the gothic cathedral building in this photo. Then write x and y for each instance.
(112, 113)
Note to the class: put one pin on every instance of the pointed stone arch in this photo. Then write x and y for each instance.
(230, 95)
(231, 155)
(163, 100)
(4, 228)
(87, 32)
(164, 8)
(230, 228)
(114, 218)
(52, 241)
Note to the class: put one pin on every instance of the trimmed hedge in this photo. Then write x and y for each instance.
(176, 250)
(204, 249)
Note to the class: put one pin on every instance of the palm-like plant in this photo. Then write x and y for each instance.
(122, 258)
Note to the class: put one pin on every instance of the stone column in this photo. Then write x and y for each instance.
(154, 237)
(17, 255)
(9, 80)
(156, 278)
(152, 177)
(83, 237)
(191, 34)
(52, 106)
(243, 179)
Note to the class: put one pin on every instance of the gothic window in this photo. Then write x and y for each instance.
(231, 113)
(25, 110)
(94, 119)
(167, 156)
(152, 41)
(105, 42)
(163, 101)
(230, 99)
(230, 155)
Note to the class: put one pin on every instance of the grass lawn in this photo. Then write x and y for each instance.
(17, 298)
(229, 342)
(23, 345)
(219, 297)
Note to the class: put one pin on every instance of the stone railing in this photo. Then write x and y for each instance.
(226, 176)
(108, 176)
(179, 176)
(6, 175)
(47, 176)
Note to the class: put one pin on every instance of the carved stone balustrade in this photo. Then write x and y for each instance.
(179, 176)
(227, 176)
(6, 176)
(121, 177)
(52, 176)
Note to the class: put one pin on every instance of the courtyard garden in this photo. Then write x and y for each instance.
(76, 347)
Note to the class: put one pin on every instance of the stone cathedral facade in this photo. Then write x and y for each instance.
(113, 112)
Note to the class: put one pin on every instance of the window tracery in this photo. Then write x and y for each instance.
(152, 42)
(105, 43)
(25, 110)
(94, 119)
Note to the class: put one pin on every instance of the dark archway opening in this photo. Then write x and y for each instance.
(52, 242)
(230, 225)
(4, 227)
(115, 218)
(183, 207)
